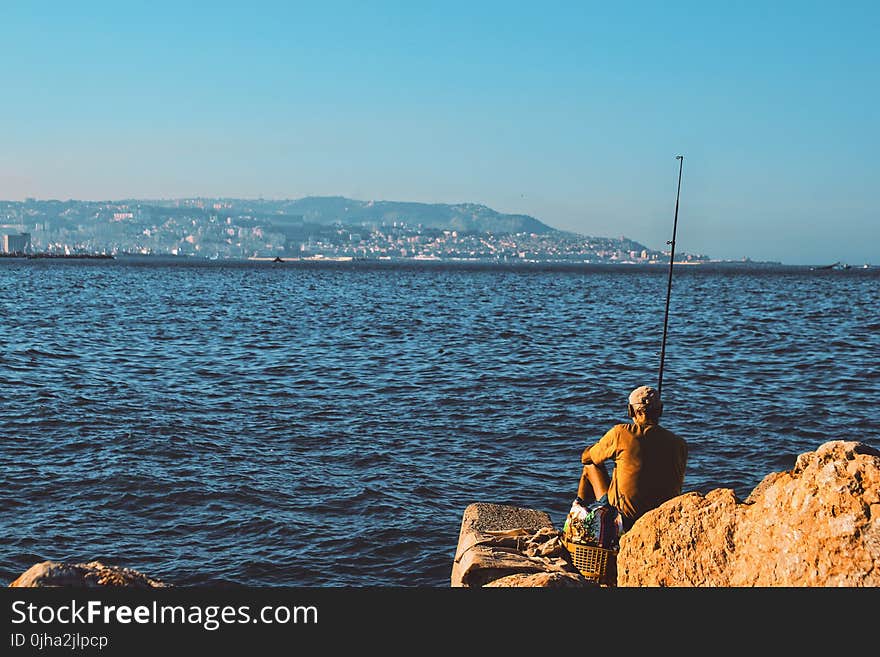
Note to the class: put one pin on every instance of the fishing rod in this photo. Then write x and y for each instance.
(680, 159)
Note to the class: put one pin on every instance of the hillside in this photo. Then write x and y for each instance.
(333, 226)
(467, 217)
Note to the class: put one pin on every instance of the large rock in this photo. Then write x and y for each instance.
(83, 575)
(817, 524)
(508, 546)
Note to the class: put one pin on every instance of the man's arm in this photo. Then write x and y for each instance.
(601, 451)
(585, 456)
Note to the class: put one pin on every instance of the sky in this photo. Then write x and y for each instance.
(571, 112)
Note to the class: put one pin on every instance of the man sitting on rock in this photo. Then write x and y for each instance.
(649, 466)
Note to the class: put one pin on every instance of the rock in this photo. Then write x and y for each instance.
(501, 545)
(817, 524)
(481, 517)
(542, 580)
(83, 575)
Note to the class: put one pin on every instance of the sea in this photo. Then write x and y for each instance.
(306, 424)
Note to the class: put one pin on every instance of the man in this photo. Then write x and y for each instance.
(649, 465)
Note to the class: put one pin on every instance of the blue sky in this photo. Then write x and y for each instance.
(572, 112)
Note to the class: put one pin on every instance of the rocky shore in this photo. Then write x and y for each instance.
(816, 525)
(83, 575)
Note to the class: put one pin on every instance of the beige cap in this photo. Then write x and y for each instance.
(645, 397)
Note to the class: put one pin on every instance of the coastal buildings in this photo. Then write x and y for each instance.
(15, 243)
(236, 228)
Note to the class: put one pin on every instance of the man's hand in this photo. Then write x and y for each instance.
(578, 509)
(585, 457)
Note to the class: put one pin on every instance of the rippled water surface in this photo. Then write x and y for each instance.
(326, 425)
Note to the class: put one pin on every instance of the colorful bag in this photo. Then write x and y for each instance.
(597, 523)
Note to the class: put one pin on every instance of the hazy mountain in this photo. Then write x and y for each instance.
(235, 227)
(460, 216)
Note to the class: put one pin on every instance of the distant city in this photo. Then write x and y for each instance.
(309, 228)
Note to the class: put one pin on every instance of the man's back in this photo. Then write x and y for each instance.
(649, 467)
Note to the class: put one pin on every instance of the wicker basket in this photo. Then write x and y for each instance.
(596, 563)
